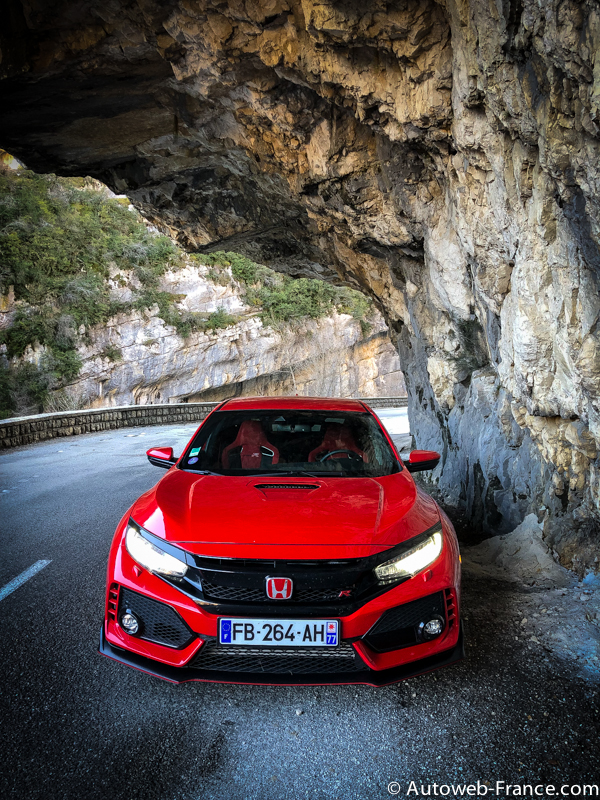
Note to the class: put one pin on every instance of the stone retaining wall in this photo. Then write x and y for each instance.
(385, 402)
(27, 430)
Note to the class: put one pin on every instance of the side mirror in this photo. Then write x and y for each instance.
(161, 457)
(420, 460)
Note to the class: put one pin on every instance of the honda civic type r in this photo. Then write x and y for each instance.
(288, 544)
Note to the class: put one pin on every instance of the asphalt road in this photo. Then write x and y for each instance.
(79, 726)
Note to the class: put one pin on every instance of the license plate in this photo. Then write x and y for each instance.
(279, 632)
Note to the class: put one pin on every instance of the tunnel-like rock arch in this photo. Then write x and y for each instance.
(442, 156)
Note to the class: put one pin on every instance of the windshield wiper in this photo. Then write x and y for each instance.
(201, 471)
(299, 472)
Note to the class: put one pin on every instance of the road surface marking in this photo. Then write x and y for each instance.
(22, 578)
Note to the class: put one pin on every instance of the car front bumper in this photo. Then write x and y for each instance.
(178, 639)
(369, 677)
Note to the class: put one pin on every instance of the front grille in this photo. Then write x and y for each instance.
(329, 587)
(398, 626)
(276, 660)
(238, 593)
(242, 594)
(318, 595)
(158, 622)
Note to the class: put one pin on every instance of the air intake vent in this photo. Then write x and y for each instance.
(277, 660)
(450, 607)
(113, 596)
(397, 627)
(159, 622)
(286, 486)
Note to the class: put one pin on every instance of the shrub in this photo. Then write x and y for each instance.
(112, 353)
(243, 269)
(23, 389)
(219, 276)
(365, 327)
(282, 298)
(57, 238)
(219, 319)
(63, 365)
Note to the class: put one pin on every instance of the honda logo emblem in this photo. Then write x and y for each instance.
(279, 588)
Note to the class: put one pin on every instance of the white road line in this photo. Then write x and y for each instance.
(22, 578)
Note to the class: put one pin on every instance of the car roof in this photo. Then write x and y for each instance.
(309, 403)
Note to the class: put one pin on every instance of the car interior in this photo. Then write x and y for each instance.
(284, 441)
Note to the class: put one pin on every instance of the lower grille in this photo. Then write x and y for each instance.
(250, 595)
(158, 622)
(397, 627)
(276, 660)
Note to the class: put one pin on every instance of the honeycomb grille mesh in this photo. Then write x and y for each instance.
(159, 622)
(251, 595)
(410, 615)
(276, 660)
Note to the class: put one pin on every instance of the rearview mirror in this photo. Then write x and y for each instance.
(161, 457)
(420, 460)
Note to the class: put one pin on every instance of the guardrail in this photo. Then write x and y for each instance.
(28, 430)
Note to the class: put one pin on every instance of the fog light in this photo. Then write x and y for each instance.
(129, 622)
(431, 628)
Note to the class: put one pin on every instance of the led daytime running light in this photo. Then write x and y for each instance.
(151, 557)
(413, 561)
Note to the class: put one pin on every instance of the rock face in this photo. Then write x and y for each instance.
(329, 356)
(442, 156)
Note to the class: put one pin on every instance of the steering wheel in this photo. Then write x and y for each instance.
(351, 453)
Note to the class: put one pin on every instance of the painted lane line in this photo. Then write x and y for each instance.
(22, 578)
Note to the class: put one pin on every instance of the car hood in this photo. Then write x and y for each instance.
(257, 517)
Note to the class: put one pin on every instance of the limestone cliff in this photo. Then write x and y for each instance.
(155, 364)
(442, 155)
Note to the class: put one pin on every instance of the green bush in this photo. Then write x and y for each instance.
(243, 269)
(53, 230)
(219, 319)
(283, 299)
(63, 365)
(219, 276)
(58, 237)
(23, 389)
(191, 322)
(112, 353)
(365, 327)
(184, 322)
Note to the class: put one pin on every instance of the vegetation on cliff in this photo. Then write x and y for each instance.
(283, 299)
(58, 239)
(61, 239)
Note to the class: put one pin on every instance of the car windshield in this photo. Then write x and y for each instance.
(324, 443)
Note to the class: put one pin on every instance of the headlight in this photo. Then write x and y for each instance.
(150, 556)
(413, 561)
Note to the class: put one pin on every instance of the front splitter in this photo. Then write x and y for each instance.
(368, 677)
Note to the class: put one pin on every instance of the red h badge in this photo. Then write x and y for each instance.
(279, 588)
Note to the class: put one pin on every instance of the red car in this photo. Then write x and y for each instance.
(288, 544)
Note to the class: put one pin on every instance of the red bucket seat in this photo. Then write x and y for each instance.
(337, 437)
(253, 447)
